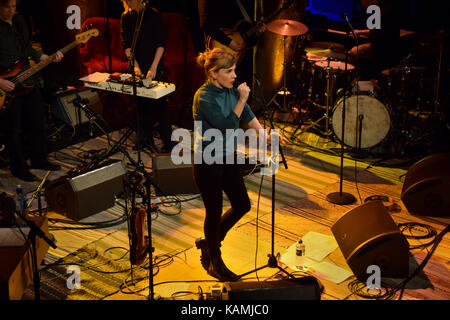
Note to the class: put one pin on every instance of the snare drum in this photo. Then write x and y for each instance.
(368, 120)
(338, 78)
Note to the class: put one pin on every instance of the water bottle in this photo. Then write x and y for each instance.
(300, 248)
(20, 204)
(300, 255)
(19, 199)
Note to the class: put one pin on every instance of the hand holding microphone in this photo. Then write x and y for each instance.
(244, 91)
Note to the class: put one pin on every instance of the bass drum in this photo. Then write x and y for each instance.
(368, 120)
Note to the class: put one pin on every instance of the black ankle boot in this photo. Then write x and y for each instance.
(219, 270)
(205, 259)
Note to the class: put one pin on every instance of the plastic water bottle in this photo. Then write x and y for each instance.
(20, 204)
(19, 199)
(300, 255)
(300, 248)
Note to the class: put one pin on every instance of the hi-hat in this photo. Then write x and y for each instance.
(327, 53)
(286, 27)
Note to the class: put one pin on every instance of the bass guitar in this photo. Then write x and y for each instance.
(244, 31)
(21, 71)
(139, 242)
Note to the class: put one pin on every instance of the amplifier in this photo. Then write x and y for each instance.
(86, 194)
(64, 109)
(170, 178)
(304, 288)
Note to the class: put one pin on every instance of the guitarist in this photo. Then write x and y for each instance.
(26, 111)
(226, 15)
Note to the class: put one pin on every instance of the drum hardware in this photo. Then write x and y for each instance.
(438, 75)
(285, 28)
(322, 94)
(326, 116)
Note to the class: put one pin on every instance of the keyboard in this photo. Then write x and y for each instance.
(103, 81)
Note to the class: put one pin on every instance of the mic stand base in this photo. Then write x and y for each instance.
(341, 198)
(272, 263)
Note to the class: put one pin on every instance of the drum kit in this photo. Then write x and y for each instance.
(378, 111)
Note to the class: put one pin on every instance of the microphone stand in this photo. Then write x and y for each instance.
(137, 32)
(118, 147)
(273, 262)
(35, 231)
(108, 35)
(139, 165)
(343, 198)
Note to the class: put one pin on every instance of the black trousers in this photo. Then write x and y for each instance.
(150, 112)
(25, 118)
(153, 111)
(212, 181)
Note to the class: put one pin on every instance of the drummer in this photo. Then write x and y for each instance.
(383, 49)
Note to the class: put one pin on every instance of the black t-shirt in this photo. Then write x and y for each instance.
(151, 36)
(15, 42)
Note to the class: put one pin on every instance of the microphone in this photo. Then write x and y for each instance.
(78, 100)
(344, 16)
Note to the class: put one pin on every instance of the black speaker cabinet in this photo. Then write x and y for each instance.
(426, 190)
(172, 179)
(305, 288)
(86, 194)
(367, 235)
(64, 109)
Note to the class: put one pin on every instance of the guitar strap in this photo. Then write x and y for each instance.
(244, 12)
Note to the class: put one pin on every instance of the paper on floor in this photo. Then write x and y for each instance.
(323, 270)
(318, 245)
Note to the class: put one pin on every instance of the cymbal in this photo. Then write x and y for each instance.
(286, 27)
(328, 53)
(334, 46)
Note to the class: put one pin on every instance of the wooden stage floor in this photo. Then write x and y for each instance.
(301, 211)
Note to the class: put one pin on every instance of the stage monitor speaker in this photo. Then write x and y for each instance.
(86, 194)
(304, 288)
(170, 178)
(64, 109)
(367, 235)
(426, 190)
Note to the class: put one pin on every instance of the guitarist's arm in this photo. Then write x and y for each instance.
(214, 32)
(29, 50)
(215, 18)
(36, 55)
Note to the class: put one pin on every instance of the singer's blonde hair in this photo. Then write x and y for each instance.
(214, 60)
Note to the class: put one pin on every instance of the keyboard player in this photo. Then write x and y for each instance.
(149, 52)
